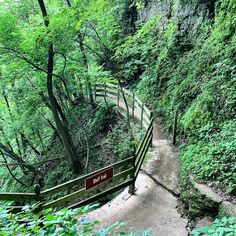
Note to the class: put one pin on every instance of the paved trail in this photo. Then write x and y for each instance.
(153, 206)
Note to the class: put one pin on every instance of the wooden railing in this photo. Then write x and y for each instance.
(137, 109)
(106, 180)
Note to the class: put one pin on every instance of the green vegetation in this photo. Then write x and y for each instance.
(195, 76)
(225, 226)
(53, 52)
(64, 222)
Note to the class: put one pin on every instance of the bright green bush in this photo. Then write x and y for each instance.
(222, 227)
(214, 157)
(195, 75)
(64, 222)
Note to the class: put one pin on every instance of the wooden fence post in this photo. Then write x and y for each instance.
(175, 127)
(132, 187)
(151, 119)
(131, 190)
(142, 109)
(95, 92)
(37, 190)
(133, 105)
(118, 95)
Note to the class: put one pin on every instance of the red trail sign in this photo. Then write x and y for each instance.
(99, 178)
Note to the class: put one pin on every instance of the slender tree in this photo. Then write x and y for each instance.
(59, 117)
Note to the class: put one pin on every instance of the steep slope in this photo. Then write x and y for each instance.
(182, 59)
(184, 55)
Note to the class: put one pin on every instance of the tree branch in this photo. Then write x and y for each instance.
(8, 168)
(93, 51)
(19, 55)
(24, 58)
(65, 62)
(98, 36)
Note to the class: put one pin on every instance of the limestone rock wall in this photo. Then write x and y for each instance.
(202, 202)
(188, 14)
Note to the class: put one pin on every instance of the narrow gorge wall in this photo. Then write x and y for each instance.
(188, 65)
(189, 15)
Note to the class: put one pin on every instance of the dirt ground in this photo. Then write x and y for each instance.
(154, 205)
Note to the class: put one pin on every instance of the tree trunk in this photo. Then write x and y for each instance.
(81, 45)
(41, 141)
(58, 115)
(26, 141)
(68, 3)
(89, 85)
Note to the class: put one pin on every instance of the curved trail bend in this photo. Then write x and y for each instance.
(154, 204)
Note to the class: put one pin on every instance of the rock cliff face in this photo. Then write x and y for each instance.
(186, 73)
(189, 15)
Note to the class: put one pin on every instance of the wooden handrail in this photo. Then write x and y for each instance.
(114, 92)
(83, 191)
(138, 167)
(110, 85)
(17, 196)
(81, 179)
(146, 118)
(144, 137)
(103, 194)
(143, 145)
(131, 165)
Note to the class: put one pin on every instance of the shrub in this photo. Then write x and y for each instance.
(64, 222)
(224, 226)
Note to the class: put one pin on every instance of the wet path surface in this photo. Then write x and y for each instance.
(154, 204)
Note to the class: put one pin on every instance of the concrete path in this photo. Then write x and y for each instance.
(154, 204)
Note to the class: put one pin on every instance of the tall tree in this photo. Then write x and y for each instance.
(59, 118)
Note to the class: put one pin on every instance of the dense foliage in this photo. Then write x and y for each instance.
(224, 226)
(192, 73)
(53, 51)
(64, 222)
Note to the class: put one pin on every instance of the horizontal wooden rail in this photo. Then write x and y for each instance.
(147, 111)
(103, 194)
(125, 171)
(143, 146)
(115, 86)
(17, 196)
(135, 106)
(80, 180)
(83, 191)
(142, 157)
(143, 152)
(114, 93)
(146, 117)
(139, 101)
(108, 91)
(127, 92)
(144, 137)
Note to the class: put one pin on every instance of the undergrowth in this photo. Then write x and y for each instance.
(64, 222)
(194, 75)
(224, 226)
(101, 134)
